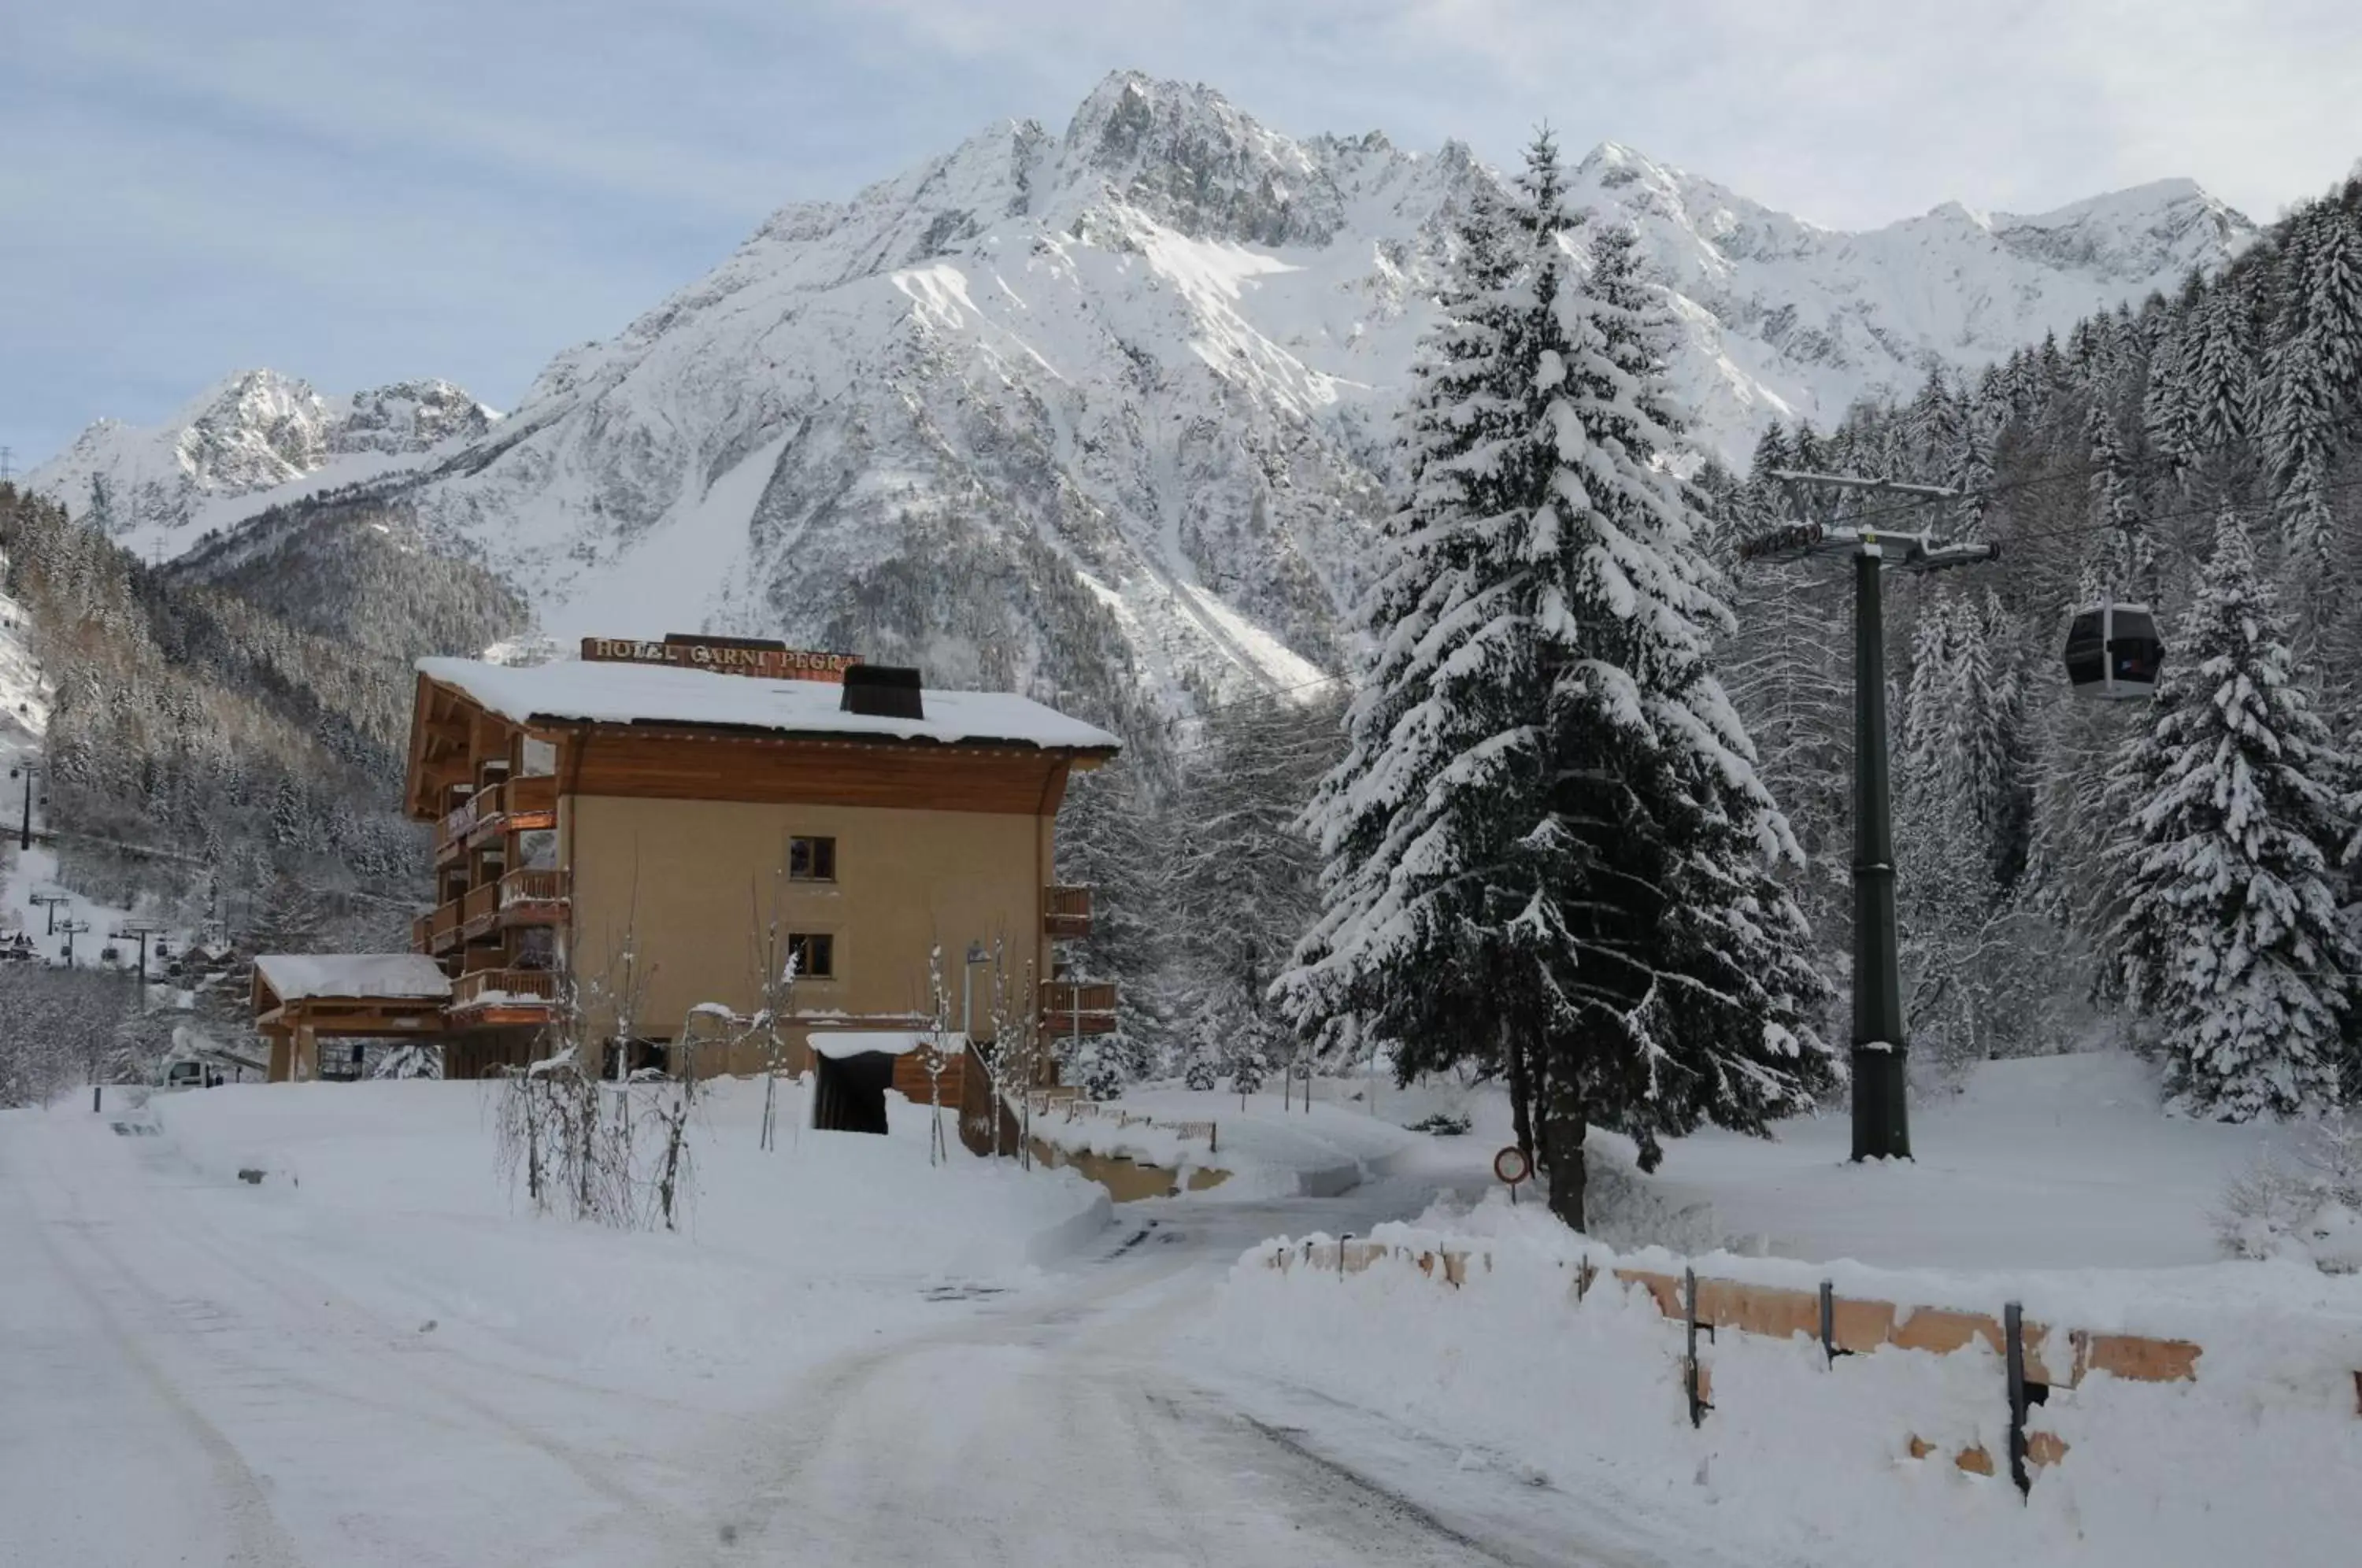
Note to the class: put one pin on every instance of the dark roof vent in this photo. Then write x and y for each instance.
(884, 690)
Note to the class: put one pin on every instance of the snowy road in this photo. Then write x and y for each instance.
(181, 1388)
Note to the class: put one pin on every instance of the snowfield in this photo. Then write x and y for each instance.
(367, 1358)
(371, 1356)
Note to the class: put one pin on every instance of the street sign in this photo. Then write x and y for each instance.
(1512, 1166)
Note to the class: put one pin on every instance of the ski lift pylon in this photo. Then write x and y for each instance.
(2114, 654)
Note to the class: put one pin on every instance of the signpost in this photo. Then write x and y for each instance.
(1512, 1166)
(723, 656)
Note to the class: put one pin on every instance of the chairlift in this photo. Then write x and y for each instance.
(110, 955)
(2114, 654)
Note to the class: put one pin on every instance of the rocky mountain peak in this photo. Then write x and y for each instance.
(1189, 159)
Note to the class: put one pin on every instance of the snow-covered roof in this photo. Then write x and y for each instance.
(411, 976)
(605, 693)
(838, 1043)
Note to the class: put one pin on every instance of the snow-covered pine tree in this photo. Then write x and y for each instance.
(1115, 840)
(1546, 838)
(2116, 506)
(2165, 403)
(1243, 878)
(2298, 408)
(2333, 296)
(2230, 935)
(2220, 372)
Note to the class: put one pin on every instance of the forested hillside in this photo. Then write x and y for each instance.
(2054, 848)
(2181, 868)
(242, 741)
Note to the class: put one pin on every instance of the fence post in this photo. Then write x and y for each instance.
(1829, 1322)
(2012, 1321)
(1343, 1243)
(1690, 1362)
(95, 1092)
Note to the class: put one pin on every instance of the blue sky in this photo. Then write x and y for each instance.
(361, 193)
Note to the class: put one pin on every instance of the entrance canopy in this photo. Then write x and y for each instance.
(299, 997)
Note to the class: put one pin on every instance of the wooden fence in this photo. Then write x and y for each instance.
(2038, 1357)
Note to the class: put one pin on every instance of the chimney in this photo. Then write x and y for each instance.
(886, 690)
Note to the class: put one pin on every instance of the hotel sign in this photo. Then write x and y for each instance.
(723, 656)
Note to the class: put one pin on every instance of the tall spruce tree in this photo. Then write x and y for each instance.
(1547, 842)
(2230, 936)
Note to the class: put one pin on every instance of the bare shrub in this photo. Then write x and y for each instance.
(2302, 1202)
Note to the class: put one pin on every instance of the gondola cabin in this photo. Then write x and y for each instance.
(2114, 652)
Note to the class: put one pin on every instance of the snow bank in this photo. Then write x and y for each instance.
(2252, 1461)
(1269, 1152)
(392, 1192)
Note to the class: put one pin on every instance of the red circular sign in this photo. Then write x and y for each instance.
(1511, 1165)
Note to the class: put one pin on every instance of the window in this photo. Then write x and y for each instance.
(815, 953)
(540, 758)
(812, 860)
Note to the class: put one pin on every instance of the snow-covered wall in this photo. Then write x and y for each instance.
(2251, 1461)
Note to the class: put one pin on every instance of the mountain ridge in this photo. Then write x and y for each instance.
(1105, 412)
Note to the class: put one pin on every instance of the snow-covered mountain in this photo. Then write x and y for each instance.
(1106, 410)
(251, 439)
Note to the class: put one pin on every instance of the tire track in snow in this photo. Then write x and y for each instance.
(361, 1356)
(262, 1541)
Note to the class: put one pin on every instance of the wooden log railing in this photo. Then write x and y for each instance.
(491, 815)
(532, 895)
(504, 987)
(481, 912)
(1067, 911)
(1079, 1007)
(451, 833)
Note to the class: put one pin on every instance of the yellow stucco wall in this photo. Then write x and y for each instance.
(691, 880)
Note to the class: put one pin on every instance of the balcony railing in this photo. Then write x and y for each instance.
(481, 912)
(505, 988)
(1067, 911)
(442, 931)
(530, 802)
(1070, 1007)
(451, 833)
(533, 895)
(422, 933)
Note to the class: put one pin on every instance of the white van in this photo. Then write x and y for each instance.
(187, 1072)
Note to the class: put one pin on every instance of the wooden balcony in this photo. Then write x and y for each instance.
(497, 997)
(485, 816)
(1065, 912)
(530, 803)
(437, 932)
(1085, 1007)
(451, 833)
(514, 805)
(531, 896)
(479, 913)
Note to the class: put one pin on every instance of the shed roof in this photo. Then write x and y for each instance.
(579, 690)
(402, 977)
